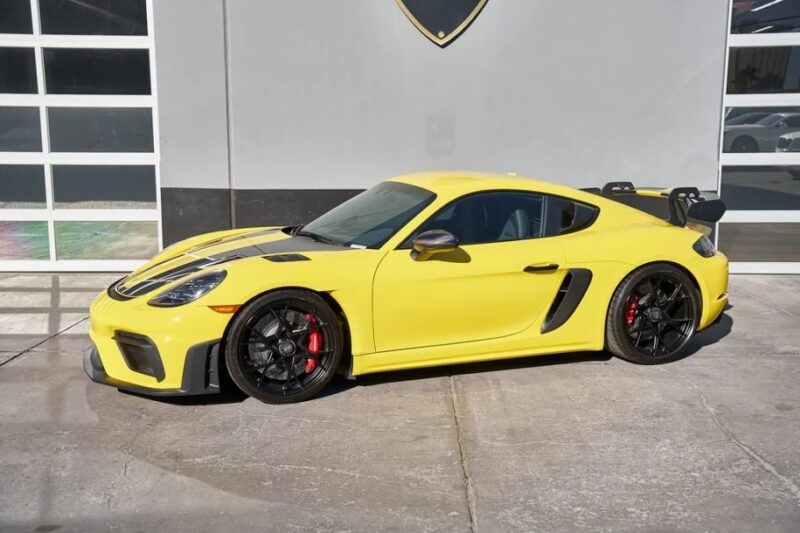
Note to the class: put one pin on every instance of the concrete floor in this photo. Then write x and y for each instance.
(567, 443)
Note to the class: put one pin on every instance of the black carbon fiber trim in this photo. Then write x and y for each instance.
(286, 258)
(569, 296)
(288, 246)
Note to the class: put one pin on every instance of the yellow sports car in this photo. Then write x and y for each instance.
(421, 270)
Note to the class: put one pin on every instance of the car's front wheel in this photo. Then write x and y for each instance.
(653, 315)
(284, 346)
(744, 144)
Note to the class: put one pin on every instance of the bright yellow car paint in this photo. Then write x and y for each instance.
(403, 313)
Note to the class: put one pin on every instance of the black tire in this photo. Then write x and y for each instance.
(744, 144)
(660, 324)
(268, 346)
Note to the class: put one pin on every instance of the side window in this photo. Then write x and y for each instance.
(793, 121)
(491, 217)
(566, 216)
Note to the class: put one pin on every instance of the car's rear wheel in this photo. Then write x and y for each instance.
(284, 346)
(653, 315)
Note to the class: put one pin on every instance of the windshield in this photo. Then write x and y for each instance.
(372, 217)
(769, 120)
(746, 119)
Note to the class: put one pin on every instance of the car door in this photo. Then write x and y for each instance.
(498, 282)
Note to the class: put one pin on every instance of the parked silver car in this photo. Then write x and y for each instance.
(788, 142)
(746, 118)
(761, 136)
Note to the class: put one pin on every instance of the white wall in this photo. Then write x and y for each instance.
(343, 94)
(190, 70)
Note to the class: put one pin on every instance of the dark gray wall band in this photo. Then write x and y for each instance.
(187, 212)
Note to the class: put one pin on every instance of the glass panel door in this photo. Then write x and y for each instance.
(78, 141)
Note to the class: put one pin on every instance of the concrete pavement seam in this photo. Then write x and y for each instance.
(763, 463)
(468, 488)
(26, 350)
(763, 301)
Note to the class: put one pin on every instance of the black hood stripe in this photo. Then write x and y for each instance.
(282, 246)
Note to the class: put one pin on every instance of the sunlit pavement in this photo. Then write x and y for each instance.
(584, 442)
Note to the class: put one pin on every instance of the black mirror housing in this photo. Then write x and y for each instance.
(429, 243)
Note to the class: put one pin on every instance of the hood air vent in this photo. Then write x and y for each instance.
(286, 258)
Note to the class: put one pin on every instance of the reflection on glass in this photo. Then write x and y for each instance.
(761, 187)
(765, 16)
(20, 130)
(93, 17)
(83, 129)
(90, 71)
(15, 16)
(759, 129)
(17, 70)
(764, 69)
(24, 240)
(760, 241)
(22, 187)
(106, 240)
(104, 186)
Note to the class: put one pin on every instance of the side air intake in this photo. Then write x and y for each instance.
(569, 296)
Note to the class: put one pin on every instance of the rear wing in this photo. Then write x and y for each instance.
(677, 206)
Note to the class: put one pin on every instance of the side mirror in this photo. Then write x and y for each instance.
(432, 242)
(783, 125)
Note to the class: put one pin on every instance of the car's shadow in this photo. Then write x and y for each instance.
(704, 338)
(230, 394)
(341, 384)
(710, 335)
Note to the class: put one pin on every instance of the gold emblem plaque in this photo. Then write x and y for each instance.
(434, 19)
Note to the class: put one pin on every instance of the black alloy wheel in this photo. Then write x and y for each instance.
(653, 315)
(284, 346)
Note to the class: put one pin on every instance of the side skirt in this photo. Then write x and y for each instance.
(408, 359)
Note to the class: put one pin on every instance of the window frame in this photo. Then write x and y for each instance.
(28, 56)
(37, 120)
(406, 243)
(43, 101)
(103, 57)
(44, 16)
(27, 22)
(762, 23)
(756, 159)
(793, 50)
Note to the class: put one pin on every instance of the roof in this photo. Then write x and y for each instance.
(462, 182)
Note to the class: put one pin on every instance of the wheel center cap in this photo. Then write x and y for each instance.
(655, 314)
(286, 347)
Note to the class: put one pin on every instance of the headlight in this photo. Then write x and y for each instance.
(189, 290)
(704, 247)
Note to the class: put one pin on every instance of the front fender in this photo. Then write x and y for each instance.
(344, 275)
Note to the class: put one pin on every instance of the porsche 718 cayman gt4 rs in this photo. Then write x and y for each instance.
(421, 270)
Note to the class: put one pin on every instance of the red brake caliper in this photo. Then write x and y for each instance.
(630, 311)
(314, 343)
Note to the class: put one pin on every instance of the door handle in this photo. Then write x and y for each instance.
(541, 267)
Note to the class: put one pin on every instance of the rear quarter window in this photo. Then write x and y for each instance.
(567, 216)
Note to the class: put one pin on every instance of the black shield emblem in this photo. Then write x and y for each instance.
(441, 21)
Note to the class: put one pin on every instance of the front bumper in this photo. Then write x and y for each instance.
(154, 350)
(201, 373)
